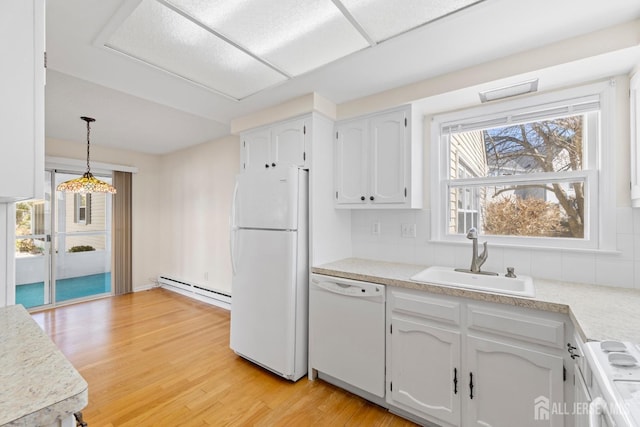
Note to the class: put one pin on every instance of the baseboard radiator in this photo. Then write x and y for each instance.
(195, 291)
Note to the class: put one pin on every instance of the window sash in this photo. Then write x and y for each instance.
(590, 179)
(522, 179)
(553, 110)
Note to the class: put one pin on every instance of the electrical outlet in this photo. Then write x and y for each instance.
(408, 231)
(375, 228)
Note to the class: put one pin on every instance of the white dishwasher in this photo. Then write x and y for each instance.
(347, 332)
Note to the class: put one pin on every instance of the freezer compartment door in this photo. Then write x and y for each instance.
(263, 305)
(267, 199)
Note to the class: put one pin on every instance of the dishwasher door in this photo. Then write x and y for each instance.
(347, 331)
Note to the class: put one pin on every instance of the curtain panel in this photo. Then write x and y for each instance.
(122, 270)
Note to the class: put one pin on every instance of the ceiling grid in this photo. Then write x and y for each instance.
(239, 48)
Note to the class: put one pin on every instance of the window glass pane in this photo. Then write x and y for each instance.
(554, 209)
(553, 145)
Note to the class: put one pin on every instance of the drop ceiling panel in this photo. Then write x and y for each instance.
(161, 37)
(383, 19)
(296, 36)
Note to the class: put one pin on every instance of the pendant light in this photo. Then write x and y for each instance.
(87, 183)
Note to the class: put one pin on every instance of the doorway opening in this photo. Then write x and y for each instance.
(63, 245)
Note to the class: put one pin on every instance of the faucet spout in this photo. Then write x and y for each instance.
(483, 256)
(477, 259)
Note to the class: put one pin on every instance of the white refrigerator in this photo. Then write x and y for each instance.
(269, 256)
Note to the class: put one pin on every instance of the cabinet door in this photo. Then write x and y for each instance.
(288, 144)
(582, 400)
(351, 163)
(389, 147)
(22, 100)
(256, 150)
(425, 370)
(509, 385)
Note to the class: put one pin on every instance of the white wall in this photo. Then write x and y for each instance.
(330, 228)
(196, 191)
(616, 269)
(147, 201)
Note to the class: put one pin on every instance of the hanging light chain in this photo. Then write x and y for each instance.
(88, 142)
(88, 120)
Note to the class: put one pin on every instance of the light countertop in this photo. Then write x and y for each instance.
(598, 312)
(38, 385)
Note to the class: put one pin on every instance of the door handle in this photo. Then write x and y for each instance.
(455, 380)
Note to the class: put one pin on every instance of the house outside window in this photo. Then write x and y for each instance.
(466, 202)
(82, 209)
(527, 172)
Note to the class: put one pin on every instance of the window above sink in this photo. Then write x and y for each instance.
(532, 171)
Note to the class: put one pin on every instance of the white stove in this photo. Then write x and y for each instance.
(616, 369)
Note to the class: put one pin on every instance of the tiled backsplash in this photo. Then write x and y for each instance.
(610, 269)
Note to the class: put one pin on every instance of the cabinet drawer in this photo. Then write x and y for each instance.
(433, 308)
(522, 327)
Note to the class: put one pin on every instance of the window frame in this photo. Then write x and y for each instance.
(598, 168)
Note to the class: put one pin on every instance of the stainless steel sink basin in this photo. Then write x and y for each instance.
(447, 276)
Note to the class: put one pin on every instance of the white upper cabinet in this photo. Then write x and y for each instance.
(373, 162)
(350, 162)
(279, 145)
(289, 143)
(22, 101)
(256, 149)
(389, 157)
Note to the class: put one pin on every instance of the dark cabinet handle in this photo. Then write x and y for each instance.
(471, 385)
(571, 350)
(371, 198)
(266, 165)
(455, 380)
(362, 198)
(273, 164)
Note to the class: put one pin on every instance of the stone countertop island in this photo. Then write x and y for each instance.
(38, 385)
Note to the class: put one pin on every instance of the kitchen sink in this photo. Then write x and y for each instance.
(447, 276)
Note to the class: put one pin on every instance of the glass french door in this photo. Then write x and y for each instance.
(63, 245)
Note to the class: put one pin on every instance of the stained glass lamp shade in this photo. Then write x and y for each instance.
(87, 183)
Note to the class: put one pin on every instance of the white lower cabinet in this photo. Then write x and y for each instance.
(425, 374)
(511, 384)
(454, 363)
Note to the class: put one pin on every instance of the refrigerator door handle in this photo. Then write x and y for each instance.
(234, 202)
(232, 248)
(234, 230)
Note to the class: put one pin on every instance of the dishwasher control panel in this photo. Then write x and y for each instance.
(347, 286)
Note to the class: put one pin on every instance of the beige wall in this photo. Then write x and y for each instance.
(197, 187)
(181, 205)
(147, 201)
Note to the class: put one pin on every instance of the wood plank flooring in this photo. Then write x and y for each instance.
(156, 358)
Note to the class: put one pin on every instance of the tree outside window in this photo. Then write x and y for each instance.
(522, 179)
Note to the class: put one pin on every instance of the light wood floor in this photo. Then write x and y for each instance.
(156, 358)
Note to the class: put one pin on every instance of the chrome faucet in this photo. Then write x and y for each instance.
(477, 260)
